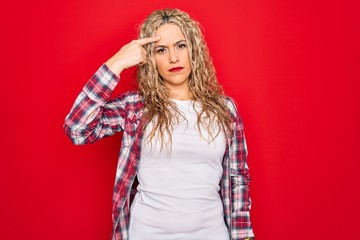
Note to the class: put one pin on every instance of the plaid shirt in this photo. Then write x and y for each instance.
(94, 116)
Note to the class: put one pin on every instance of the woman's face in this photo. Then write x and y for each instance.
(172, 57)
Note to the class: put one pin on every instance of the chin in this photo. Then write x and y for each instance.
(177, 80)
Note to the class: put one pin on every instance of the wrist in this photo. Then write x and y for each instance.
(115, 68)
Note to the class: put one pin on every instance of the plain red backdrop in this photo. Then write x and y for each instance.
(292, 66)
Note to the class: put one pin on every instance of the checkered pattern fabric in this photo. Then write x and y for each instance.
(94, 116)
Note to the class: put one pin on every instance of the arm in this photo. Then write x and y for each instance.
(94, 115)
(240, 181)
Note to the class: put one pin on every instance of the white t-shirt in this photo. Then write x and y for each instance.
(178, 192)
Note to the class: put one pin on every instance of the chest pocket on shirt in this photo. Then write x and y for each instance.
(131, 123)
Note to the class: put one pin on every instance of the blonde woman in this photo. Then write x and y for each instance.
(183, 147)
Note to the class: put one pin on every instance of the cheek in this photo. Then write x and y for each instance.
(159, 63)
(186, 57)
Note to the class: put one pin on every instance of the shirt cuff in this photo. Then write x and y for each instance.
(241, 225)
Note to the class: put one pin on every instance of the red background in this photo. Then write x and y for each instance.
(292, 66)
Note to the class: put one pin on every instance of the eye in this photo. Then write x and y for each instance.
(160, 50)
(182, 45)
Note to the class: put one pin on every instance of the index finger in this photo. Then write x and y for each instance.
(144, 41)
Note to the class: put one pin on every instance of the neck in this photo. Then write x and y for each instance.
(180, 91)
(181, 94)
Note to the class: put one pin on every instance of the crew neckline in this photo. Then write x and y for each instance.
(178, 100)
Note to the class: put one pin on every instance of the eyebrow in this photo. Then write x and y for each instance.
(178, 42)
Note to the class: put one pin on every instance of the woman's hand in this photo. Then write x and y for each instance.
(130, 55)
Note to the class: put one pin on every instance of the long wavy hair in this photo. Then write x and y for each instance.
(203, 82)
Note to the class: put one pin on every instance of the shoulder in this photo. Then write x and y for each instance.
(130, 96)
(232, 106)
(131, 100)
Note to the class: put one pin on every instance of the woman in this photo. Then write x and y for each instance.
(183, 140)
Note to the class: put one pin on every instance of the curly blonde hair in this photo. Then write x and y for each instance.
(203, 82)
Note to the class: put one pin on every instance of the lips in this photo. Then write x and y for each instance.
(175, 69)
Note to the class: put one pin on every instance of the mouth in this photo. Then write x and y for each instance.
(175, 69)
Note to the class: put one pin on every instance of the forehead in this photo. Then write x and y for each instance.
(169, 33)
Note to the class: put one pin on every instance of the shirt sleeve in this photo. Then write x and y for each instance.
(93, 115)
(241, 226)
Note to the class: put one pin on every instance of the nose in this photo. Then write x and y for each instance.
(173, 57)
